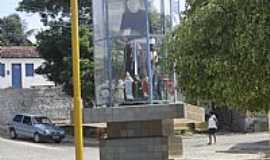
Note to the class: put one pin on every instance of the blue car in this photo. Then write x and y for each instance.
(36, 127)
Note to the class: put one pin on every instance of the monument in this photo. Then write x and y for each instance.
(134, 81)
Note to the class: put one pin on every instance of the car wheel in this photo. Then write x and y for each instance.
(36, 138)
(12, 134)
(58, 140)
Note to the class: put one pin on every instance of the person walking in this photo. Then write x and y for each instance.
(212, 127)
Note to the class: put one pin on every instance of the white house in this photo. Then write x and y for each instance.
(17, 68)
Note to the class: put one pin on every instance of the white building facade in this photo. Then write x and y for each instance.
(17, 68)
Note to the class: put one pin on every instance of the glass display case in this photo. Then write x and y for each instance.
(131, 64)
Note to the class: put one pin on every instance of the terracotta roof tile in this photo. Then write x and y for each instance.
(19, 52)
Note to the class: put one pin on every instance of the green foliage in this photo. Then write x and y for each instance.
(222, 52)
(56, 9)
(54, 43)
(12, 31)
(158, 22)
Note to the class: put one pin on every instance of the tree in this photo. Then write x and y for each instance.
(159, 22)
(54, 43)
(13, 31)
(221, 50)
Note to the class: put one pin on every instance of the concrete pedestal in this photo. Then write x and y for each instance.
(144, 148)
(141, 140)
(142, 132)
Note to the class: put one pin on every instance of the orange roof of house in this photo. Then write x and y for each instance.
(19, 52)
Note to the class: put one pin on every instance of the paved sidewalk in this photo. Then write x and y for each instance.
(254, 146)
(23, 149)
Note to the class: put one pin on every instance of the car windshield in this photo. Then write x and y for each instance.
(41, 120)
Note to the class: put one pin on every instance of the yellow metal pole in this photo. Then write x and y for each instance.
(77, 116)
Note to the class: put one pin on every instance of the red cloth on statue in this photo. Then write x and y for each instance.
(145, 88)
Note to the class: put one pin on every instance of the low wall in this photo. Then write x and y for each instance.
(241, 121)
(51, 102)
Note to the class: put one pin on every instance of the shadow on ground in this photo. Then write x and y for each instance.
(65, 142)
(68, 142)
(260, 147)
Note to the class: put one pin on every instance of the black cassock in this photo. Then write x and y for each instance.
(136, 22)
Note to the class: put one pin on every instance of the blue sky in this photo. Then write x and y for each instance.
(9, 6)
(32, 20)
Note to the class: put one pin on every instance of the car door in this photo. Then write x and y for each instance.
(27, 126)
(17, 124)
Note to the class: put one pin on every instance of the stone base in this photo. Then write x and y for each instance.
(148, 148)
(141, 140)
(147, 112)
(175, 147)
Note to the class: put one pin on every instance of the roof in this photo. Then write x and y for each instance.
(19, 52)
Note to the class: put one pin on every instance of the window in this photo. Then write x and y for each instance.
(2, 70)
(17, 118)
(41, 120)
(27, 120)
(29, 70)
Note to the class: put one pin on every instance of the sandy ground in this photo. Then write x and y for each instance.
(254, 146)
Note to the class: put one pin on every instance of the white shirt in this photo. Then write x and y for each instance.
(212, 122)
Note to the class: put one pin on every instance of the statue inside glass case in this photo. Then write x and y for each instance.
(119, 92)
(137, 88)
(136, 69)
(145, 86)
(130, 59)
(128, 87)
(133, 20)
